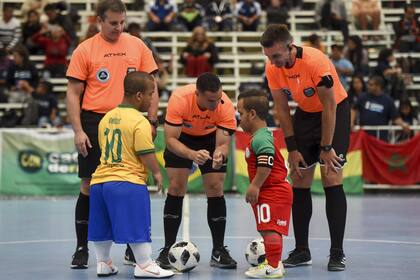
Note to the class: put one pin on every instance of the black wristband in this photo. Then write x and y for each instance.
(290, 143)
(154, 123)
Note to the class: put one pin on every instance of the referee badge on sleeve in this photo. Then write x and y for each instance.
(308, 92)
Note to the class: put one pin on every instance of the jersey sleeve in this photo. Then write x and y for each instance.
(78, 66)
(143, 142)
(147, 62)
(263, 147)
(320, 67)
(174, 111)
(227, 119)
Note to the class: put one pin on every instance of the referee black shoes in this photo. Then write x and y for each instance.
(337, 260)
(298, 257)
(80, 258)
(220, 258)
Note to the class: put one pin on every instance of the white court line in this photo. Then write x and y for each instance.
(226, 237)
(186, 219)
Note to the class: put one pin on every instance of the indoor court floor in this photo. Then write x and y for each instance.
(382, 239)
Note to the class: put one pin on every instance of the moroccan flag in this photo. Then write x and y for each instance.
(394, 164)
(352, 173)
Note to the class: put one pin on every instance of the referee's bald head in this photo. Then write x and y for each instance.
(137, 81)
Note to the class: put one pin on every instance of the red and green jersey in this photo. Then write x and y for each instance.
(263, 150)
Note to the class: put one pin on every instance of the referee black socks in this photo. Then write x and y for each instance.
(302, 213)
(216, 218)
(82, 220)
(172, 215)
(336, 208)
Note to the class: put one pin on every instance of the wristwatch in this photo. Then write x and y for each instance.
(326, 148)
(154, 123)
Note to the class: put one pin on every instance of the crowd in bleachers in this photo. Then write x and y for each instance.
(52, 30)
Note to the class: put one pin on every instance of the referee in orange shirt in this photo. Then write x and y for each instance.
(95, 86)
(319, 132)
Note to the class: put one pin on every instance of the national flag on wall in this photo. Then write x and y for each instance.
(385, 163)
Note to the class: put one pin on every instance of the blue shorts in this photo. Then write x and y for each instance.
(119, 211)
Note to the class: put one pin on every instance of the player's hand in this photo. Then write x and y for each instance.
(158, 181)
(294, 159)
(200, 157)
(252, 194)
(330, 160)
(82, 142)
(217, 160)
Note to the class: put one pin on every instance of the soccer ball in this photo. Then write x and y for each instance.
(183, 256)
(255, 252)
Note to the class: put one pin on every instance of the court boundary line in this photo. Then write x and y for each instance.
(18, 242)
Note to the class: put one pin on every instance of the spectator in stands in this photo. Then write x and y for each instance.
(200, 55)
(91, 31)
(315, 41)
(219, 16)
(21, 74)
(5, 63)
(56, 16)
(190, 15)
(357, 54)
(56, 43)
(332, 15)
(365, 12)
(248, 13)
(389, 70)
(343, 66)
(36, 5)
(31, 26)
(376, 108)
(10, 29)
(357, 88)
(408, 115)
(407, 31)
(162, 14)
(135, 30)
(162, 79)
(42, 107)
(277, 12)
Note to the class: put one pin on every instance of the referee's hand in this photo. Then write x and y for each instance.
(295, 159)
(200, 157)
(81, 140)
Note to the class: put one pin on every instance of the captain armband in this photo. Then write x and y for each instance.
(326, 81)
(265, 160)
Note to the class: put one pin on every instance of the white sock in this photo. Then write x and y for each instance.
(142, 253)
(102, 249)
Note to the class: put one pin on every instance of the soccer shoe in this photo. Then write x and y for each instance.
(153, 270)
(80, 258)
(264, 271)
(220, 258)
(104, 269)
(337, 260)
(162, 259)
(298, 257)
(129, 258)
(280, 265)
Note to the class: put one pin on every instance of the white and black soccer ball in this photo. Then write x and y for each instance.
(184, 256)
(255, 252)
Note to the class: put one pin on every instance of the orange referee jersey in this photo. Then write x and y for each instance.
(103, 66)
(302, 78)
(183, 110)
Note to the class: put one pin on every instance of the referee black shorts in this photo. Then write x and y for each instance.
(87, 165)
(206, 142)
(307, 128)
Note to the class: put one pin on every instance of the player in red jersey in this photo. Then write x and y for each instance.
(269, 192)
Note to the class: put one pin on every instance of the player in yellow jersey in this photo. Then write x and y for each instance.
(119, 199)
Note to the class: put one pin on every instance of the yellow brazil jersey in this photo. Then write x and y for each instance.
(124, 133)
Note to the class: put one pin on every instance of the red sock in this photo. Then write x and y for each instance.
(273, 243)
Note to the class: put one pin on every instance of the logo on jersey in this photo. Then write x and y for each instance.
(281, 223)
(308, 92)
(102, 75)
(247, 152)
